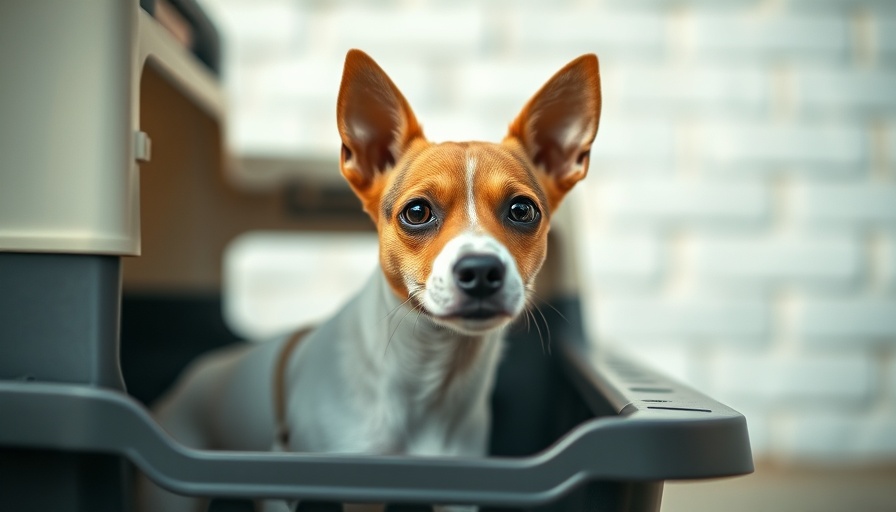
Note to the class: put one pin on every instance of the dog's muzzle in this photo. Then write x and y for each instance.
(479, 276)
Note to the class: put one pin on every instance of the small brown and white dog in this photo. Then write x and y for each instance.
(463, 232)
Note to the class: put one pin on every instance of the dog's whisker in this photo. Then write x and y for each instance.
(389, 341)
(537, 328)
(534, 295)
(411, 296)
(547, 327)
(419, 309)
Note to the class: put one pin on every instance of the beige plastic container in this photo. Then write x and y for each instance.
(70, 142)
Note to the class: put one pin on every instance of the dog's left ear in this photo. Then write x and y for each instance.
(376, 124)
(559, 123)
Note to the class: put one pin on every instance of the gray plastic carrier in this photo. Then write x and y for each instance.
(644, 429)
(573, 429)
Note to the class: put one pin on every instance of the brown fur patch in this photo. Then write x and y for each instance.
(437, 173)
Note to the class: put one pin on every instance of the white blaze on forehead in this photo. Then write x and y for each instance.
(471, 203)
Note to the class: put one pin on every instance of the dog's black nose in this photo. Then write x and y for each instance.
(479, 275)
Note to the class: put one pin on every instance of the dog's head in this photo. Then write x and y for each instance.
(463, 225)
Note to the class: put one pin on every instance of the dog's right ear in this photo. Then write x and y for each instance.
(558, 125)
(375, 122)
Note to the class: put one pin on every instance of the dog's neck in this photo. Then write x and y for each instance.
(429, 366)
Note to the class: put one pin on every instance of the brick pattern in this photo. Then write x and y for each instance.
(750, 147)
(848, 321)
(765, 262)
(740, 226)
(825, 379)
(847, 205)
(750, 36)
(663, 202)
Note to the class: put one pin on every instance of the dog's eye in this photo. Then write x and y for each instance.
(417, 213)
(523, 210)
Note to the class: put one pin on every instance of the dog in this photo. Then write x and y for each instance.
(407, 365)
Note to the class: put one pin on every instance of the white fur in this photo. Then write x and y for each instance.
(442, 295)
(371, 379)
(471, 200)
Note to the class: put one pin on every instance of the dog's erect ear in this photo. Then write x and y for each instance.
(375, 122)
(558, 125)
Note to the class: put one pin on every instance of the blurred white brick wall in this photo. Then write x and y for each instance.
(741, 230)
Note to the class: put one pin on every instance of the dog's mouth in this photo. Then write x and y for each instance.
(479, 310)
(474, 317)
(471, 309)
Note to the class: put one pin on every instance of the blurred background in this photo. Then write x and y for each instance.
(738, 227)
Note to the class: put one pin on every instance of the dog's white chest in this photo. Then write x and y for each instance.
(349, 391)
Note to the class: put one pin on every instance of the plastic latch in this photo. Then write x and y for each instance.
(142, 146)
